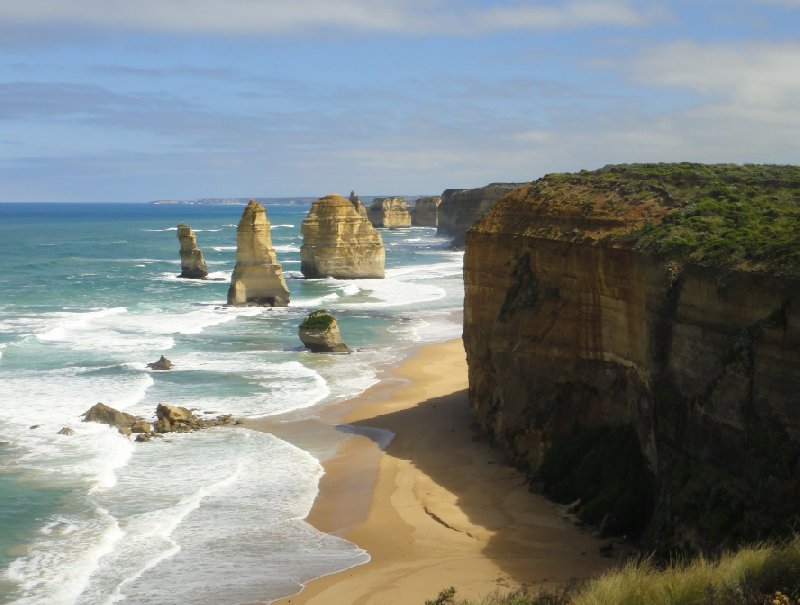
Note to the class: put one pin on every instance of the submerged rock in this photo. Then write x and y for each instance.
(338, 242)
(193, 264)
(257, 278)
(162, 364)
(320, 333)
(389, 212)
(66, 431)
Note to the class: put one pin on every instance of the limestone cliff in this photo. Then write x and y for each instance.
(633, 338)
(389, 212)
(339, 242)
(193, 264)
(257, 278)
(461, 208)
(426, 211)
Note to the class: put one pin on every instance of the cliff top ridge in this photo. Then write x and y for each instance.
(744, 217)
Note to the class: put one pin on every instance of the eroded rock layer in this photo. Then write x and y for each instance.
(319, 333)
(193, 264)
(662, 388)
(389, 212)
(257, 278)
(426, 211)
(339, 242)
(461, 208)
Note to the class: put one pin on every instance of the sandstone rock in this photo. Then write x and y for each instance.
(175, 415)
(426, 211)
(389, 212)
(193, 264)
(141, 426)
(66, 431)
(319, 332)
(461, 208)
(105, 414)
(257, 278)
(358, 205)
(162, 364)
(340, 243)
(687, 376)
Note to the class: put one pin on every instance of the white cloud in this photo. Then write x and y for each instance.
(755, 75)
(279, 16)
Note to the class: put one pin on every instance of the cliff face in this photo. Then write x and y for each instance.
(461, 208)
(257, 278)
(339, 242)
(193, 264)
(661, 391)
(389, 212)
(426, 211)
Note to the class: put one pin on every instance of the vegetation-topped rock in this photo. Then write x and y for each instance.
(193, 264)
(339, 242)
(257, 278)
(389, 212)
(633, 338)
(319, 332)
(426, 211)
(716, 215)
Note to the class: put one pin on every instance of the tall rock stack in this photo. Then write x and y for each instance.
(193, 264)
(338, 242)
(257, 278)
(389, 212)
(357, 204)
(426, 211)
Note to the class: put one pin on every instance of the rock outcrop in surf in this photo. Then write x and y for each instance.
(319, 333)
(339, 242)
(257, 278)
(389, 212)
(193, 263)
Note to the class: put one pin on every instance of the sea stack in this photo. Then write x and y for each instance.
(338, 242)
(257, 278)
(319, 332)
(389, 212)
(461, 208)
(357, 204)
(426, 211)
(193, 264)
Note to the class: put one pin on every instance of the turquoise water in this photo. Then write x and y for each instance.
(88, 296)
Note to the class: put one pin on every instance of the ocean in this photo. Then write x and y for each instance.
(89, 295)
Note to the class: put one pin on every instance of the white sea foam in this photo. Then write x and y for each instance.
(286, 248)
(223, 248)
(278, 226)
(167, 229)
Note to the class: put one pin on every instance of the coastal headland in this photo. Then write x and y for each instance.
(438, 506)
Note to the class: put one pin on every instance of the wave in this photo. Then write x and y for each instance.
(159, 230)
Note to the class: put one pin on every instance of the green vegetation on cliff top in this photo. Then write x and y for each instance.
(717, 215)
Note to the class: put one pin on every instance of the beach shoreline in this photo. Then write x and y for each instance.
(430, 501)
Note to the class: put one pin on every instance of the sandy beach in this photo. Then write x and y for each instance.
(437, 507)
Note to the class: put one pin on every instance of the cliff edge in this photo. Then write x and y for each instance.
(633, 339)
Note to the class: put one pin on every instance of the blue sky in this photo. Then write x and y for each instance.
(115, 100)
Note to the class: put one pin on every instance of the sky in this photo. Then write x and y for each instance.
(132, 101)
